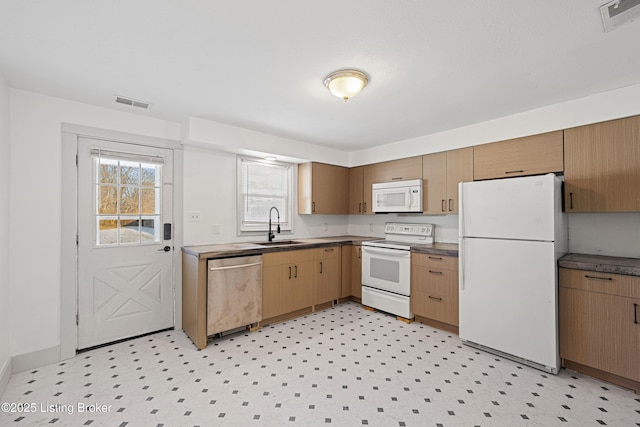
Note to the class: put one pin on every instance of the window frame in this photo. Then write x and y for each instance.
(253, 228)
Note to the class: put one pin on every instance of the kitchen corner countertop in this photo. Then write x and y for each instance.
(226, 250)
(444, 249)
(601, 264)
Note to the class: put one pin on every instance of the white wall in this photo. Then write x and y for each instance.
(210, 188)
(35, 206)
(4, 231)
(612, 234)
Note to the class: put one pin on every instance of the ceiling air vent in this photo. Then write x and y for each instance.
(619, 12)
(132, 102)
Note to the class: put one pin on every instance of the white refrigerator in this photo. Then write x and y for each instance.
(511, 233)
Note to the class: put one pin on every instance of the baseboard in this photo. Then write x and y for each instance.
(35, 359)
(5, 375)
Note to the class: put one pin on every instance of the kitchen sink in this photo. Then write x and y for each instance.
(279, 243)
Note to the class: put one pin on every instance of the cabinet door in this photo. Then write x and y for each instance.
(368, 178)
(602, 167)
(531, 155)
(327, 275)
(435, 294)
(301, 290)
(598, 330)
(330, 189)
(273, 283)
(434, 175)
(459, 169)
(356, 177)
(356, 272)
(346, 270)
(399, 170)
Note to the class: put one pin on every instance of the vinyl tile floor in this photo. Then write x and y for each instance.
(344, 366)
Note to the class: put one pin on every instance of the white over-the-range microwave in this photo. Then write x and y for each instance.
(397, 196)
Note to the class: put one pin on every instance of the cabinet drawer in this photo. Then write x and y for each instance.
(435, 261)
(328, 253)
(606, 283)
(436, 282)
(441, 308)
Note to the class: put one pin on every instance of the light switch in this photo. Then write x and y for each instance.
(194, 216)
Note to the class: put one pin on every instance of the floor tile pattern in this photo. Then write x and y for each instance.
(344, 366)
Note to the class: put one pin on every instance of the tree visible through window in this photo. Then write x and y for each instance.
(127, 201)
(261, 186)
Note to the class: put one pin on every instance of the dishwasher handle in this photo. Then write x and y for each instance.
(231, 267)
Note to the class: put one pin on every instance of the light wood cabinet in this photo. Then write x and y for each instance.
(602, 167)
(356, 190)
(441, 173)
(287, 281)
(531, 155)
(327, 275)
(394, 170)
(323, 189)
(434, 289)
(352, 271)
(598, 325)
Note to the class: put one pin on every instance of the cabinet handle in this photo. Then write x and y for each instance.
(365, 207)
(313, 206)
(359, 253)
(289, 272)
(570, 200)
(320, 267)
(360, 207)
(438, 258)
(450, 205)
(329, 250)
(439, 273)
(635, 313)
(444, 208)
(597, 278)
(396, 178)
(435, 298)
(296, 273)
(508, 172)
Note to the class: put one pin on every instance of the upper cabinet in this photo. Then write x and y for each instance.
(394, 170)
(531, 155)
(602, 167)
(356, 190)
(441, 173)
(322, 189)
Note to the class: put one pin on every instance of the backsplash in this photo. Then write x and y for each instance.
(612, 234)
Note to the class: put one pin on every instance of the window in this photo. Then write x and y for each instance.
(127, 198)
(261, 186)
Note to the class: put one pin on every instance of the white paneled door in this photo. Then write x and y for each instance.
(125, 264)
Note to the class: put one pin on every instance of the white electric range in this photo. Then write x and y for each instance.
(386, 267)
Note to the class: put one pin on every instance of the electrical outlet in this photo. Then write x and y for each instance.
(216, 228)
(326, 227)
(194, 216)
(370, 226)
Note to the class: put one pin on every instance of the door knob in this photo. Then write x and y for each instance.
(165, 249)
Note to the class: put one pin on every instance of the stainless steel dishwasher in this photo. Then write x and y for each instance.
(234, 293)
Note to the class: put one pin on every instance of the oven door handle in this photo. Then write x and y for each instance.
(387, 252)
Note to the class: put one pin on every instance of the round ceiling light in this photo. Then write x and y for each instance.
(346, 83)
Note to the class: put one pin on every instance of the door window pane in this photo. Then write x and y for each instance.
(125, 191)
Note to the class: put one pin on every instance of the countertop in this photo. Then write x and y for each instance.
(601, 263)
(255, 248)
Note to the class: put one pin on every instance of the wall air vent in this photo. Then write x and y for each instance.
(618, 12)
(132, 102)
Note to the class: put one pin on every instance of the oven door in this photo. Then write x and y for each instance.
(387, 269)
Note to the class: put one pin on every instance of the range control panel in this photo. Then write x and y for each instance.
(424, 231)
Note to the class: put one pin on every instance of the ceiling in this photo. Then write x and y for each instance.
(258, 64)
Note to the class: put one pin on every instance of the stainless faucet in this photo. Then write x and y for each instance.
(271, 236)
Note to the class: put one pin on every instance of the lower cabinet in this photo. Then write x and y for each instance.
(287, 281)
(299, 279)
(434, 290)
(599, 318)
(328, 275)
(352, 272)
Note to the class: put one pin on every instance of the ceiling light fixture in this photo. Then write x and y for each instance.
(346, 84)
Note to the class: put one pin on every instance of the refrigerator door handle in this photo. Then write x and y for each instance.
(461, 256)
(461, 264)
